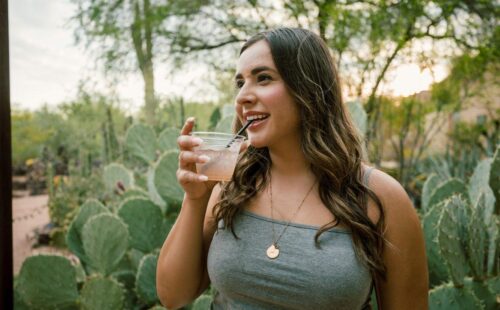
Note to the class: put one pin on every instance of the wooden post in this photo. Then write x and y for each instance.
(6, 263)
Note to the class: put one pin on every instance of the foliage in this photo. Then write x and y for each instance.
(461, 230)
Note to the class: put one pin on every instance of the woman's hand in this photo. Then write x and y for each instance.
(196, 186)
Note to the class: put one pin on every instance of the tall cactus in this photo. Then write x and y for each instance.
(477, 241)
(438, 272)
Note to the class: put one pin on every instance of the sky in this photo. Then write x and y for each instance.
(46, 66)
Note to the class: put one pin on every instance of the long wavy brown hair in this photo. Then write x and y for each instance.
(329, 141)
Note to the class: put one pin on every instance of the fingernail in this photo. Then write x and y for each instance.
(190, 119)
(203, 178)
(197, 141)
(204, 158)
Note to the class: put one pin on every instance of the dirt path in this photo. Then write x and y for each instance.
(28, 213)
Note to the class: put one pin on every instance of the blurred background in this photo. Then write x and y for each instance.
(100, 89)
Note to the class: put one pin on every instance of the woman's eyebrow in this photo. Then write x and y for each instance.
(255, 71)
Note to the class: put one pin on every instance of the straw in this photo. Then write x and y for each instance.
(240, 132)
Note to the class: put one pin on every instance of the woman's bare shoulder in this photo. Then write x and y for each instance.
(392, 195)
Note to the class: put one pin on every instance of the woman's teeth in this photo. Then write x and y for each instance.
(256, 117)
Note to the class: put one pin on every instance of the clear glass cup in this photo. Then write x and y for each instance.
(222, 149)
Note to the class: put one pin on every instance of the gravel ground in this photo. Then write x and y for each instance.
(29, 213)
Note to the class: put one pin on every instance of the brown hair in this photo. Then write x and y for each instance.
(329, 141)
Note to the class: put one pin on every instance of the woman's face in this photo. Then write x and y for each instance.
(262, 94)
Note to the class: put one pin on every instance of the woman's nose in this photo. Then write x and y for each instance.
(245, 96)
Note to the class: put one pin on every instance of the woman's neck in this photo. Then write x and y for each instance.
(289, 162)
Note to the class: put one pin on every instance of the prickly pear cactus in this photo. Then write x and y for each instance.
(140, 141)
(168, 139)
(477, 241)
(117, 178)
(145, 223)
(446, 190)
(430, 186)
(448, 297)
(438, 272)
(202, 303)
(145, 282)
(102, 293)
(47, 282)
(494, 181)
(225, 124)
(153, 192)
(165, 179)
(105, 241)
(449, 240)
(358, 116)
(73, 238)
(134, 256)
(493, 245)
(157, 307)
(483, 292)
(478, 184)
(135, 192)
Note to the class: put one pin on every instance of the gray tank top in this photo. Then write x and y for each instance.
(301, 277)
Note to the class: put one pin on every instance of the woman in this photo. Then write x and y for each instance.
(303, 224)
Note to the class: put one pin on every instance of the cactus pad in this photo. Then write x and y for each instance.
(117, 177)
(449, 240)
(165, 179)
(105, 240)
(430, 186)
(438, 272)
(478, 184)
(90, 208)
(495, 179)
(446, 190)
(447, 297)
(145, 281)
(153, 192)
(102, 293)
(477, 241)
(47, 282)
(145, 223)
(168, 139)
(202, 303)
(140, 141)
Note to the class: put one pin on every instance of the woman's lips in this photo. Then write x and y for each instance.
(257, 123)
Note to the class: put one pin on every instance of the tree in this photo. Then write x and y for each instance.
(129, 35)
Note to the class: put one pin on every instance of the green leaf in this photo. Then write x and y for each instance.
(202, 303)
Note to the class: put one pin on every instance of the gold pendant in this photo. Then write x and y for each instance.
(272, 252)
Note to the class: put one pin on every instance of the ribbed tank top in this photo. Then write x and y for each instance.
(303, 276)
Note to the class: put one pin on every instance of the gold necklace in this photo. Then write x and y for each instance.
(273, 250)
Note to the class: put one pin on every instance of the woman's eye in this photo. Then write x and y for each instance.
(239, 84)
(263, 78)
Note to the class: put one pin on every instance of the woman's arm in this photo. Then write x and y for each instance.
(407, 283)
(181, 274)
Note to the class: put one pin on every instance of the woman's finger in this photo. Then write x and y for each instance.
(184, 176)
(187, 158)
(188, 142)
(188, 126)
